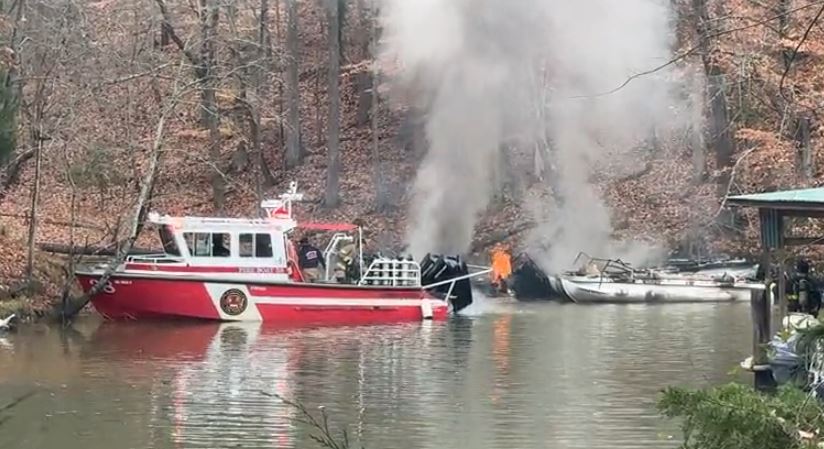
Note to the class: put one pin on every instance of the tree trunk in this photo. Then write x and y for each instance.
(333, 125)
(317, 92)
(341, 13)
(783, 11)
(13, 83)
(696, 135)
(363, 85)
(276, 65)
(165, 36)
(264, 50)
(204, 70)
(292, 131)
(805, 151)
(35, 201)
(363, 38)
(537, 163)
(719, 132)
(209, 111)
(381, 194)
(278, 32)
(71, 308)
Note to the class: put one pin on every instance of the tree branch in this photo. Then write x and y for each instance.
(140, 209)
(795, 52)
(694, 49)
(164, 11)
(729, 185)
(126, 78)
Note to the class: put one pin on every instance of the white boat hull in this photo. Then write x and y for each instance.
(593, 290)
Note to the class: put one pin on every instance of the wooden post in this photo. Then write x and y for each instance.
(761, 311)
(782, 290)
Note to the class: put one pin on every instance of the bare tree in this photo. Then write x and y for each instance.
(805, 149)
(264, 57)
(73, 306)
(381, 194)
(720, 128)
(363, 38)
(694, 136)
(42, 61)
(800, 120)
(251, 58)
(209, 14)
(10, 161)
(782, 10)
(38, 137)
(293, 136)
(333, 124)
(205, 67)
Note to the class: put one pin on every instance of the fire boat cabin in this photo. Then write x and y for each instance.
(247, 269)
(223, 248)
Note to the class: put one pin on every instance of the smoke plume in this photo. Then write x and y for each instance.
(493, 71)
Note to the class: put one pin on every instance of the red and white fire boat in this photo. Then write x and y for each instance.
(235, 269)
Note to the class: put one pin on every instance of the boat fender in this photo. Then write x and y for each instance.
(426, 309)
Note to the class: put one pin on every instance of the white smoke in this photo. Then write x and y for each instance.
(494, 69)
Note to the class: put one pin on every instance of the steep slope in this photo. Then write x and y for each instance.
(110, 79)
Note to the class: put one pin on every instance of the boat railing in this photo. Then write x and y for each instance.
(393, 273)
(154, 258)
(606, 266)
(332, 251)
(452, 282)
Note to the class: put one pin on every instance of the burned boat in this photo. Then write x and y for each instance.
(529, 282)
(615, 281)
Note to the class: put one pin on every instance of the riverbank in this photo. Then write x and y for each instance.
(35, 299)
(668, 189)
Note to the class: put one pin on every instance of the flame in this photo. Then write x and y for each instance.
(501, 263)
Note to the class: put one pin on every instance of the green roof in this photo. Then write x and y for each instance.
(786, 199)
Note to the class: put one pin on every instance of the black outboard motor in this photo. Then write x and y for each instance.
(438, 268)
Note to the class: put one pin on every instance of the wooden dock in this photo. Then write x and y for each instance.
(774, 210)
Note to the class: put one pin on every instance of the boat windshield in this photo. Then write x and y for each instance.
(167, 238)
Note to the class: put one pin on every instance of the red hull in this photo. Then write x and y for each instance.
(142, 297)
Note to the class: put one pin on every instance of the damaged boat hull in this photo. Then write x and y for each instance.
(667, 291)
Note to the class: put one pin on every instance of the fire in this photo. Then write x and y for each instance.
(501, 263)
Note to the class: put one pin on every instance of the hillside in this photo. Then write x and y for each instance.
(95, 77)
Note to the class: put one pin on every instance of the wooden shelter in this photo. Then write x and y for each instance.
(773, 209)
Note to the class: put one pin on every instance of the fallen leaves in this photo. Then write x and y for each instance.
(663, 203)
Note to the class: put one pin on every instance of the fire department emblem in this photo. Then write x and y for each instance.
(233, 302)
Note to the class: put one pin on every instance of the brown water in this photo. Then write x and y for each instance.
(508, 376)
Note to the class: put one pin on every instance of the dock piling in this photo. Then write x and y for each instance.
(760, 305)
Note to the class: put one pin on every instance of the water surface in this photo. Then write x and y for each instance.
(510, 375)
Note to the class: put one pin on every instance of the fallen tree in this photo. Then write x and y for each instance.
(92, 250)
(11, 171)
(69, 306)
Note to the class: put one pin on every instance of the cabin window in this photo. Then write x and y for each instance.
(167, 237)
(203, 244)
(255, 245)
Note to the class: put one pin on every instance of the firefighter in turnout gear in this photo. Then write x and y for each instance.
(343, 260)
(347, 270)
(310, 260)
(802, 294)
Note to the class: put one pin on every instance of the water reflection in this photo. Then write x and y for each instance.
(522, 376)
